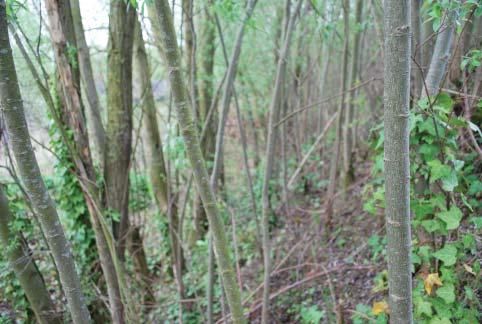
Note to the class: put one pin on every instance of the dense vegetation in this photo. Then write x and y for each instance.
(213, 161)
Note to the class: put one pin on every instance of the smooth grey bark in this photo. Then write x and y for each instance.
(189, 132)
(274, 112)
(416, 49)
(23, 265)
(87, 76)
(396, 160)
(440, 57)
(12, 106)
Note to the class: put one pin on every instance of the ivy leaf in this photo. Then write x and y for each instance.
(431, 225)
(428, 126)
(380, 307)
(438, 320)
(438, 170)
(447, 293)
(450, 182)
(451, 217)
(444, 102)
(431, 280)
(424, 307)
(477, 222)
(447, 255)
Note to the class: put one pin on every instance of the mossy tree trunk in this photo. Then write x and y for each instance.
(189, 132)
(12, 106)
(206, 77)
(87, 75)
(119, 117)
(61, 26)
(156, 166)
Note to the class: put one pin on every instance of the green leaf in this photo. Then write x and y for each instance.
(451, 217)
(447, 293)
(427, 126)
(424, 308)
(431, 225)
(438, 320)
(469, 293)
(475, 187)
(430, 151)
(438, 170)
(447, 255)
(450, 182)
(444, 101)
(477, 222)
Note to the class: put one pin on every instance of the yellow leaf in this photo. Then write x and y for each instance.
(469, 269)
(380, 307)
(431, 280)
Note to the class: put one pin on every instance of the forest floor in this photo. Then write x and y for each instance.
(320, 272)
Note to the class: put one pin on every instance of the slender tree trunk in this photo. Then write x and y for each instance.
(190, 52)
(87, 76)
(156, 166)
(193, 149)
(274, 111)
(397, 163)
(72, 112)
(339, 120)
(119, 117)
(440, 58)
(228, 91)
(348, 171)
(11, 104)
(427, 40)
(206, 76)
(416, 22)
(24, 267)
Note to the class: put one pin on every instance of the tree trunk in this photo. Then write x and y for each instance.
(440, 58)
(206, 76)
(156, 166)
(348, 171)
(11, 103)
(72, 112)
(397, 163)
(274, 111)
(24, 267)
(119, 117)
(87, 76)
(190, 134)
(227, 94)
(417, 75)
(339, 120)
(190, 52)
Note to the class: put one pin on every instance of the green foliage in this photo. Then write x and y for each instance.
(444, 199)
(10, 289)
(311, 315)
